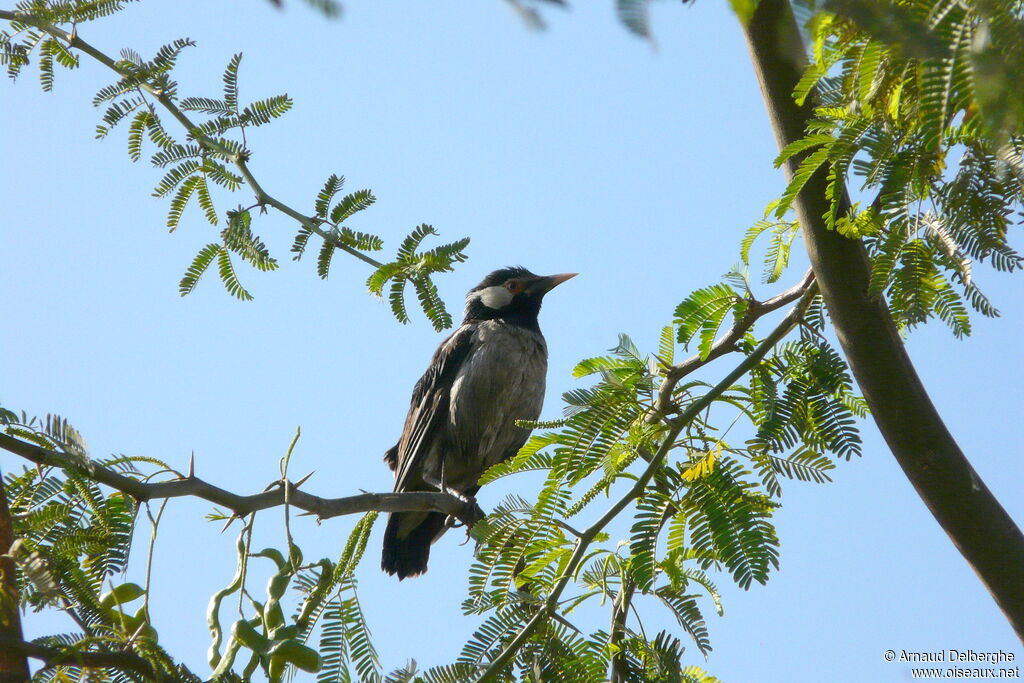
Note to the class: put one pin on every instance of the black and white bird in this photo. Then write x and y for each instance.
(489, 373)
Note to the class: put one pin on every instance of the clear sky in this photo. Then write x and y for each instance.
(576, 149)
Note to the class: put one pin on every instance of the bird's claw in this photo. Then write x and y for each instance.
(470, 515)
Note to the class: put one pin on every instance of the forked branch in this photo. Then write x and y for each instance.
(727, 343)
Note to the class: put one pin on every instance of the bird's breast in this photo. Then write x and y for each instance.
(502, 381)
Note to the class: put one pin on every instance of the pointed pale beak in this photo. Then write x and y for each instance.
(549, 282)
(560, 278)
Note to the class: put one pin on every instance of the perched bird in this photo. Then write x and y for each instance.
(489, 373)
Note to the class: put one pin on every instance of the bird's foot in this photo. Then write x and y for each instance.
(470, 515)
(442, 488)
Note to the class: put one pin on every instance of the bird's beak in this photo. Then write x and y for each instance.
(549, 282)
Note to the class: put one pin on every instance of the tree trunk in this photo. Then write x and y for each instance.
(13, 664)
(977, 524)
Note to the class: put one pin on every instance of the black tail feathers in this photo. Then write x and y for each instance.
(408, 556)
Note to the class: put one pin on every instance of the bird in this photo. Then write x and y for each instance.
(487, 374)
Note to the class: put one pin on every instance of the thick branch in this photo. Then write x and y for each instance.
(977, 524)
(75, 41)
(241, 505)
(675, 426)
(53, 656)
(13, 665)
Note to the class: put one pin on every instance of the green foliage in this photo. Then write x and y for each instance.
(905, 100)
(802, 396)
(920, 100)
(776, 258)
(75, 538)
(345, 639)
(415, 267)
(702, 510)
(702, 313)
(18, 46)
(74, 542)
(212, 157)
(634, 16)
(329, 8)
(328, 595)
(337, 235)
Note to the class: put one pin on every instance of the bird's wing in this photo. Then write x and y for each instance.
(429, 407)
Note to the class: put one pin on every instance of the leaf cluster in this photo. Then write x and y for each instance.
(25, 39)
(212, 157)
(708, 508)
(416, 267)
(74, 543)
(904, 101)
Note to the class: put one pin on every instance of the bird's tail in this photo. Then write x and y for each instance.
(407, 554)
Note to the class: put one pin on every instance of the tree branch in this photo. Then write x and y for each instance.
(53, 656)
(241, 505)
(675, 426)
(620, 612)
(977, 524)
(727, 342)
(13, 665)
(75, 41)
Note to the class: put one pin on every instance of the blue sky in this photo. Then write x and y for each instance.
(576, 149)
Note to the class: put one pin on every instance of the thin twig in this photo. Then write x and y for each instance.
(287, 502)
(75, 41)
(244, 562)
(727, 342)
(155, 522)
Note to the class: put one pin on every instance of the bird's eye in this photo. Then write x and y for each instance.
(515, 286)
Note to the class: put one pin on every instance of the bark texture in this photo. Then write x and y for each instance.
(13, 664)
(977, 524)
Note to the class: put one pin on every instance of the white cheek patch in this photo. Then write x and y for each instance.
(495, 297)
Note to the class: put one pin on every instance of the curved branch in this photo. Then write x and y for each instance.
(241, 505)
(75, 41)
(977, 524)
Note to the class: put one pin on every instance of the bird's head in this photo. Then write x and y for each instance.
(512, 294)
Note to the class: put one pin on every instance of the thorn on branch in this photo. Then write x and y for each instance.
(241, 505)
(302, 481)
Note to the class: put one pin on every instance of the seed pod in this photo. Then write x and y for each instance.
(119, 595)
(250, 637)
(273, 615)
(294, 652)
(284, 632)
